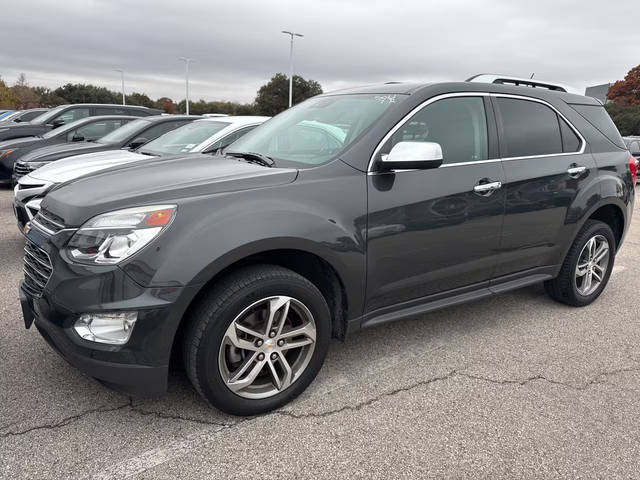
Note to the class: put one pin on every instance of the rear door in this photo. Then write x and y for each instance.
(431, 231)
(546, 169)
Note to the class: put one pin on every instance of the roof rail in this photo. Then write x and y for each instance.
(525, 82)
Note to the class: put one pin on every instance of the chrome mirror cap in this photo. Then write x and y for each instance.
(413, 155)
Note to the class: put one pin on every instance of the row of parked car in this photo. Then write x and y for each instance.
(75, 148)
(241, 246)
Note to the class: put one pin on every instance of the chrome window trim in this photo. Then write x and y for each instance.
(427, 102)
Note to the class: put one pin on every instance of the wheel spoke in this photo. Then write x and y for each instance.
(596, 276)
(232, 336)
(274, 374)
(582, 269)
(296, 344)
(275, 305)
(248, 330)
(586, 285)
(288, 374)
(307, 330)
(592, 247)
(237, 382)
(601, 252)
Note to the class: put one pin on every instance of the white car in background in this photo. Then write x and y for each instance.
(208, 135)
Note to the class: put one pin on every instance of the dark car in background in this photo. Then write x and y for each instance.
(85, 129)
(132, 135)
(64, 114)
(245, 267)
(23, 115)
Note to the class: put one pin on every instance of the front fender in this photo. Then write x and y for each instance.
(321, 213)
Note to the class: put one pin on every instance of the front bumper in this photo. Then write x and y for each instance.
(140, 366)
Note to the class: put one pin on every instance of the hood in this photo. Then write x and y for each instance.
(18, 142)
(78, 166)
(56, 152)
(159, 180)
(22, 129)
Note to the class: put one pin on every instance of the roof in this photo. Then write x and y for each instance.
(400, 88)
(234, 119)
(115, 105)
(168, 118)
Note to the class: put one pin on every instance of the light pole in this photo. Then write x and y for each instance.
(122, 78)
(291, 34)
(187, 61)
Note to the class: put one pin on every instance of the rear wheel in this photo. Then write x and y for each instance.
(587, 267)
(257, 340)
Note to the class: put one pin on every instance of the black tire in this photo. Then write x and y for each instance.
(563, 288)
(213, 314)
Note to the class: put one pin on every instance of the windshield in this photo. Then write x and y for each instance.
(183, 139)
(64, 129)
(121, 134)
(45, 117)
(315, 131)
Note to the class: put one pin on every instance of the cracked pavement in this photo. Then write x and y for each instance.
(511, 386)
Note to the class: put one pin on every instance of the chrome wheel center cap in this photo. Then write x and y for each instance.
(269, 345)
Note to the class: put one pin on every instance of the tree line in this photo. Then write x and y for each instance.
(271, 99)
(624, 103)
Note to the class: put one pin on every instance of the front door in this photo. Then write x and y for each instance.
(436, 230)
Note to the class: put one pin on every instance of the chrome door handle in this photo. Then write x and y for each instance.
(487, 188)
(575, 171)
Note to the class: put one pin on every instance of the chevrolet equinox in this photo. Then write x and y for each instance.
(349, 210)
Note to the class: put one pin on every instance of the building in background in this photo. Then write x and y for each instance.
(598, 92)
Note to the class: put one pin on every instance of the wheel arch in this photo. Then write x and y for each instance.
(325, 275)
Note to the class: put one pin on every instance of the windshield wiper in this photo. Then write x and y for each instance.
(253, 157)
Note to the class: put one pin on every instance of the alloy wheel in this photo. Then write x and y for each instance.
(592, 265)
(267, 347)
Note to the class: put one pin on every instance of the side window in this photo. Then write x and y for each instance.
(530, 128)
(229, 139)
(95, 130)
(155, 131)
(74, 114)
(458, 124)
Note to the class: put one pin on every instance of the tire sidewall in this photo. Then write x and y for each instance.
(207, 362)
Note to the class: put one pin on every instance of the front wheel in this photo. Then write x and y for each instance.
(587, 267)
(257, 340)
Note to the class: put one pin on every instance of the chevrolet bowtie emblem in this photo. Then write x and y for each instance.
(26, 228)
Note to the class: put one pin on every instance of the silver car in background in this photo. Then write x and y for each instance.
(208, 135)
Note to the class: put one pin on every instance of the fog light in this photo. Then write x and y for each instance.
(113, 328)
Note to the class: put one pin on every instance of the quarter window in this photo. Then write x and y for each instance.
(458, 124)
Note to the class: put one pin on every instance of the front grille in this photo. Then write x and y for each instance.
(21, 169)
(48, 222)
(37, 269)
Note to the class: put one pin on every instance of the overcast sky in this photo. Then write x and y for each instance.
(238, 45)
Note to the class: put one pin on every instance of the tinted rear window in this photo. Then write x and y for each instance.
(597, 116)
(530, 128)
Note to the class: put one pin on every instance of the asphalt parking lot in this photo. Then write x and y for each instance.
(514, 386)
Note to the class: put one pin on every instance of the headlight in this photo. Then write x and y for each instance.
(5, 153)
(111, 237)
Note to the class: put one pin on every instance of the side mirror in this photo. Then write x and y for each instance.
(58, 122)
(412, 156)
(77, 138)
(137, 142)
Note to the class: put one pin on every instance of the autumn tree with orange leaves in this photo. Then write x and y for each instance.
(627, 91)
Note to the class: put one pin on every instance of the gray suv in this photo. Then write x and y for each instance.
(350, 210)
